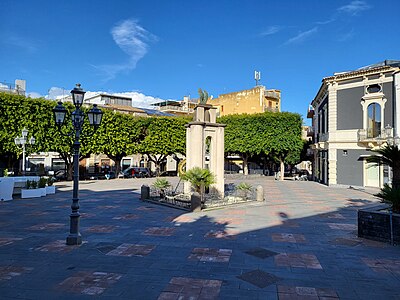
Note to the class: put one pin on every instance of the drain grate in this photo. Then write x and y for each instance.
(259, 278)
(261, 253)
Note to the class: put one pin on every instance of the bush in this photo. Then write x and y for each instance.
(391, 196)
(42, 182)
(161, 184)
(243, 186)
(50, 181)
(199, 178)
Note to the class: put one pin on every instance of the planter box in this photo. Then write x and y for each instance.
(33, 193)
(374, 224)
(50, 189)
(43, 191)
(6, 188)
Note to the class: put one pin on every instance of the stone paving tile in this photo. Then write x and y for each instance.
(221, 234)
(183, 219)
(8, 240)
(308, 261)
(260, 252)
(228, 221)
(383, 265)
(8, 272)
(300, 293)
(191, 288)
(346, 241)
(210, 255)
(332, 216)
(342, 226)
(132, 250)
(47, 226)
(290, 223)
(259, 278)
(145, 208)
(288, 237)
(127, 217)
(87, 215)
(89, 283)
(101, 228)
(58, 246)
(38, 213)
(159, 231)
(107, 206)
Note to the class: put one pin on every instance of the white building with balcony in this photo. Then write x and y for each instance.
(353, 113)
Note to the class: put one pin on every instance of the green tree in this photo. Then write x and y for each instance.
(243, 136)
(275, 134)
(284, 138)
(163, 136)
(119, 137)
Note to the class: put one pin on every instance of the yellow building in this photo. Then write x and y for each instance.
(255, 100)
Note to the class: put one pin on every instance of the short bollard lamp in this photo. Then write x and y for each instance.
(77, 117)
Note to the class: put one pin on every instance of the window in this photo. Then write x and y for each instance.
(374, 120)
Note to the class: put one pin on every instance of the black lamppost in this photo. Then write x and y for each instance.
(77, 116)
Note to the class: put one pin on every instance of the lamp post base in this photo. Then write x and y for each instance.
(74, 239)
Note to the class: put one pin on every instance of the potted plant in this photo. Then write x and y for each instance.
(50, 188)
(161, 184)
(31, 190)
(200, 179)
(244, 189)
(42, 185)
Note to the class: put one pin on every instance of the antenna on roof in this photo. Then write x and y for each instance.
(257, 76)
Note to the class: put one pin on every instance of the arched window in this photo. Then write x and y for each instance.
(374, 120)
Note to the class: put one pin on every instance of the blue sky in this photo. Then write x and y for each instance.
(168, 49)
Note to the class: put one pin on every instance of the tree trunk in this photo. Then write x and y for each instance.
(282, 169)
(245, 164)
(70, 169)
(396, 176)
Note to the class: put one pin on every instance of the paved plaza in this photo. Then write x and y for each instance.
(301, 243)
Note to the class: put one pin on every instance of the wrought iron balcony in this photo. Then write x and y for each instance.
(371, 135)
(323, 137)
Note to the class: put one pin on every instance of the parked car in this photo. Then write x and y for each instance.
(136, 172)
(60, 175)
(168, 173)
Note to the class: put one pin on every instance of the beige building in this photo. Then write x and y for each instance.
(255, 100)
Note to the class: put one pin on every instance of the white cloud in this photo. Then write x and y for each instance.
(354, 7)
(34, 95)
(346, 36)
(271, 30)
(56, 93)
(134, 40)
(21, 42)
(302, 36)
(138, 99)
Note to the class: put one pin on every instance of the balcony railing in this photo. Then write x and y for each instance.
(271, 94)
(323, 137)
(272, 109)
(175, 108)
(371, 135)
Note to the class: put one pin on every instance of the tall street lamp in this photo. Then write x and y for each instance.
(77, 117)
(22, 141)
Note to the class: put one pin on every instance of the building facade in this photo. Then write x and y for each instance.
(251, 101)
(353, 114)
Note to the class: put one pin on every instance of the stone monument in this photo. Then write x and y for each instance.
(205, 145)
